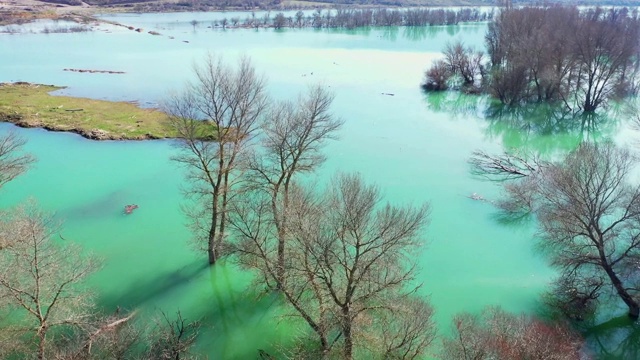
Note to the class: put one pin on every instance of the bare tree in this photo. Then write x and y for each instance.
(350, 259)
(279, 21)
(437, 76)
(509, 165)
(293, 137)
(299, 18)
(589, 219)
(496, 334)
(463, 61)
(39, 277)
(406, 328)
(48, 311)
(606, 50)
(173, 338)
(215, 118)
(533, 60)
(13, 161)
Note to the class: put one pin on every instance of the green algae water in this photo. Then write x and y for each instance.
(414, 146)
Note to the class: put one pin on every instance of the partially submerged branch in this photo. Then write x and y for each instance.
(13, 161)
(507, 166)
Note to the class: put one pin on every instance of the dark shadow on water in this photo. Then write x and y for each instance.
(230, 309)
(236, 312)
(512, 219)
(143, 290)
(616, 339)
(104, 206)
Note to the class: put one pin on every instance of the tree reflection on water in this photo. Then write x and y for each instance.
(617, 338)
(539, 128)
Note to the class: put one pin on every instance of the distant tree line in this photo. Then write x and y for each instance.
(580, 59)
(355, 18)
(65, 2)
(187, 5)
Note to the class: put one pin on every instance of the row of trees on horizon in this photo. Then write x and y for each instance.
(356, 18)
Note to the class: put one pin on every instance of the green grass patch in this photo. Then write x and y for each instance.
(30, 105)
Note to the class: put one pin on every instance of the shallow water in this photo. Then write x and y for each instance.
(413, 146)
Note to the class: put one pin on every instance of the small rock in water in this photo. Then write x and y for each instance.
(129, 209)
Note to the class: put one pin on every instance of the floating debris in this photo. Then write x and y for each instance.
(129, 209)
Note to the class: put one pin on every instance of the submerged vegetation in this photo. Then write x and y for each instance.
(31, 105)
(579, 60)
(338, 257)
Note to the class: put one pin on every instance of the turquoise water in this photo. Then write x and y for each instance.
(414, 146)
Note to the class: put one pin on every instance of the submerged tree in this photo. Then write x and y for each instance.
(460, 63)
(580, 59)
(40, 277)
(437, 77)
(292, 139)
(560, 54)
(589, 220)
(496, 334)
(215, 118)
(350, 263)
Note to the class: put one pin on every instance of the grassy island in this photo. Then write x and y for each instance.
(31, 105)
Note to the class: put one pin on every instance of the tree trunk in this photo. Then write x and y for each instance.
(223, 218)
(211, 245)
(211, 251)
(634, 307)
(41, 343)
(346, 333)
(282, 233)
(324, 343)
(280, 271)
(589, 105)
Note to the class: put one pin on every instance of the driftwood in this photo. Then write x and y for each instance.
(95, 71)
(107, 327)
